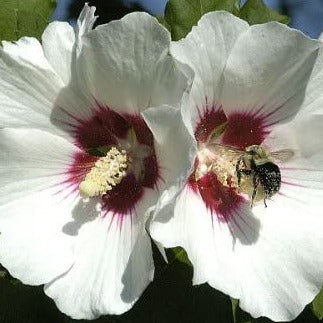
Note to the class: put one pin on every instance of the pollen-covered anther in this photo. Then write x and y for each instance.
(106, 173)
(225, 172)
(220, 162)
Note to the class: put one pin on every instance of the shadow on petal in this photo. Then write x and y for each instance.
(83, 212)
(139, 271)
(244, 226)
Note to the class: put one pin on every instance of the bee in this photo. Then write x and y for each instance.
(251, 171)
(259, 164)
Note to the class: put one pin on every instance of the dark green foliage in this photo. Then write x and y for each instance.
(182, 15)
(317, 305)
(256, 12)
(20, 18)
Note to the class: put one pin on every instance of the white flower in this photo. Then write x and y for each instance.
(81, 108)
(254, 85)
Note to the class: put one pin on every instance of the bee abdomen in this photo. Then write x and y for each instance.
(270, 178)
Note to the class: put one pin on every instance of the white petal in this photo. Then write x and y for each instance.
(33, 95)
(267, 72)
(58, 40)
(86, 20)
(61, 46)
(113, 265)
(33, 245)
(288, 250)
(175, 149)
(313, 101)
(206, 49)
(178, 224)
(256, 259)
(304, 171)
(125, 64)
(28, 84)
(303, 135)
(31, 160)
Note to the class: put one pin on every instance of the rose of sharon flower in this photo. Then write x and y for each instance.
(83, 158)
(257, 90)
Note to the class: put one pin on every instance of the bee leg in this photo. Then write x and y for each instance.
(239, 178)
(266, 196)
(255, 181)
(242, 172)
(238, 171)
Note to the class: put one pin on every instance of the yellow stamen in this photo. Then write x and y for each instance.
(107, 172)
(222, 161)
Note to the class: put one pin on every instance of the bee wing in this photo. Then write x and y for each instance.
(283, 155)
(218, 149)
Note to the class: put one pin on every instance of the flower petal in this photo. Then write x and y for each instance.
(304, 137)
(313, 99)
(175, 225)
(32, 212)
(135, 71)
(58, 40)
(62, 46)
(113, 265)
(175, 148)
(288, 250)
(31, 160)
(262, 78)
(257, 254)
(206, 49)
(86, 20)
(29, 86)
(257, 258)
(33, 247)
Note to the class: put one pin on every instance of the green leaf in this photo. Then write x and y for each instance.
(161, 19)
(20, 18)
(182, 15)
(235, 305)
(317, 305)
(239, 315)
(2, 274)
(180, 255)
(256, 12)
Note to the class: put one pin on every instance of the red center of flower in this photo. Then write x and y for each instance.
(240, 130)
(107, 128)
(243, 130)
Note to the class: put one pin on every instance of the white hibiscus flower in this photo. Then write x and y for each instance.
(259, 86)
(75, 115)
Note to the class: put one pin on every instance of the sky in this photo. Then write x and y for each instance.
(154, 6)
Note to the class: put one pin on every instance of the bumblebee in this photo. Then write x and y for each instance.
(259, 165)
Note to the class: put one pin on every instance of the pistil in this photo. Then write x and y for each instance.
(222, 161)
(106, 173)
